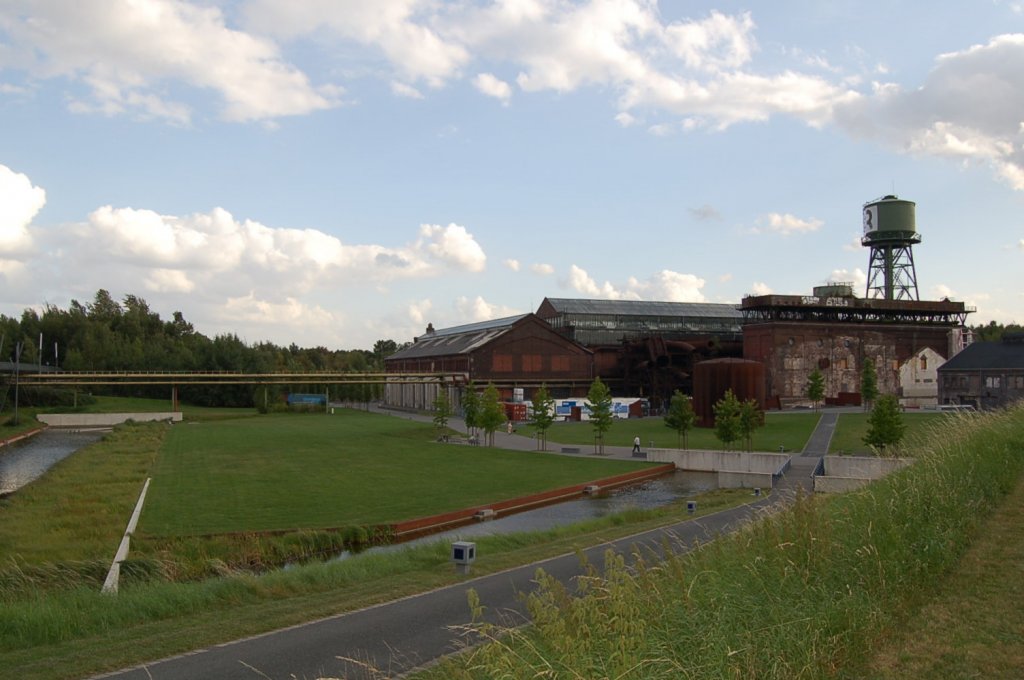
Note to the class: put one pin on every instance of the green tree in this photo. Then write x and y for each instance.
(680, 416)
(868, 383)
(542, 415)
(492, 413)
(727, 419)
(751, 418)
(816, 388)
(600, 398)
(885, 424)
(471, 408)
(442, 412)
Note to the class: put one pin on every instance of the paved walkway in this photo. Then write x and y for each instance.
(404, 634)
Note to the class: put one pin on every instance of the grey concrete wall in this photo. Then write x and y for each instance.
(865, 467)
(103, 419)
(715, 461)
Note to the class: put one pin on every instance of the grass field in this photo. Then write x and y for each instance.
(54, 622)
(283, 472)
(852, 428)
(813, 591)
(789, 430)
(974, 626)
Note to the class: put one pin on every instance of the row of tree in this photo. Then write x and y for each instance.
(107, 335)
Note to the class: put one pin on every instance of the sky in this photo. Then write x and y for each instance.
(334, 172)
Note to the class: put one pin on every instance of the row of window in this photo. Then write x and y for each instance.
(992, 382)
(529, 363)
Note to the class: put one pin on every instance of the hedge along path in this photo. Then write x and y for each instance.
(285, 472)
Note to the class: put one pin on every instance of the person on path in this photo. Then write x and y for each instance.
(636, 444)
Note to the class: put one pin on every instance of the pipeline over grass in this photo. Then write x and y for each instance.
(802, 594)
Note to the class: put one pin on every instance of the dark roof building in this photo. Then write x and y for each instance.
(609, 322)
(985, 374)
(647, 348)
(516, 353)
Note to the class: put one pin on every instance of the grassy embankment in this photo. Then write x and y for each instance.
(808, 593)
(788, 430)
(54, 622)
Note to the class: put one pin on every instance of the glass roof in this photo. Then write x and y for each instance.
(645, 308)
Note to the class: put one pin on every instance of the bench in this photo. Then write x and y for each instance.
(570, 449)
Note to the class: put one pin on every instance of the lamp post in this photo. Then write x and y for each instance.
(17, 370)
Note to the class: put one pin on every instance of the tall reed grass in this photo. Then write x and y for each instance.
(804, 593)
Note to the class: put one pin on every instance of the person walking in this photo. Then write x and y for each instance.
(636, 444)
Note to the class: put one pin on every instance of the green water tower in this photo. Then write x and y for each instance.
(890, 231)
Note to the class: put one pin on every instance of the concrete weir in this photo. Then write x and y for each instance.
(845, 473)
(736, 469)
(105, 419)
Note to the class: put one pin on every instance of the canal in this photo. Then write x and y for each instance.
(26, 460)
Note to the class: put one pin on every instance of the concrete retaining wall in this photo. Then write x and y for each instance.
(736, 469)
(104, 419)
(863, 466)
(715, 461)
(846, 473)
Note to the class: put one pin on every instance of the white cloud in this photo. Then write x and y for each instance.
(1020, 244)
(453, 245)
(492, 86)
(168, 281)
(478, 309)
(20, 202)
(626, 119)
(512, 264)
(760, 288)
(725, 278)
(213, 255)
(418, 311)
(787, 224)
(664, 285)
(968, 109)
(403, 31)
(124, 51)
(542, 269)
(854, 245)
(857, 277)
(669, 286)
(403, 90)
(714, 44)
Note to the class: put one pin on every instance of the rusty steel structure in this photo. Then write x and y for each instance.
(834, 333)
(714, 377)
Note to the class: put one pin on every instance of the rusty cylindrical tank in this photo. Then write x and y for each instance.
(712, 378)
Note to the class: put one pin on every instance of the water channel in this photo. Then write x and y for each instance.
(26, 460)
(644, 496)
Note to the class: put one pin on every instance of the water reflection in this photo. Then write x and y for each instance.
(650, 494)
(24, 461)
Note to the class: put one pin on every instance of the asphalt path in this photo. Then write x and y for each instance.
(395, 637)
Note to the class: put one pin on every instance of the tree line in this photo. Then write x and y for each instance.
(108, 335)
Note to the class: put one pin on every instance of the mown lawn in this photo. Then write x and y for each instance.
(853, 427)
(789, 430)
(284, 472)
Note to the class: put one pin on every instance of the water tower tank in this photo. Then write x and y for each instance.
(890, 219)
(890, 231)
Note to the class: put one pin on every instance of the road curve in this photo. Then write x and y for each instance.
(396, 636)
